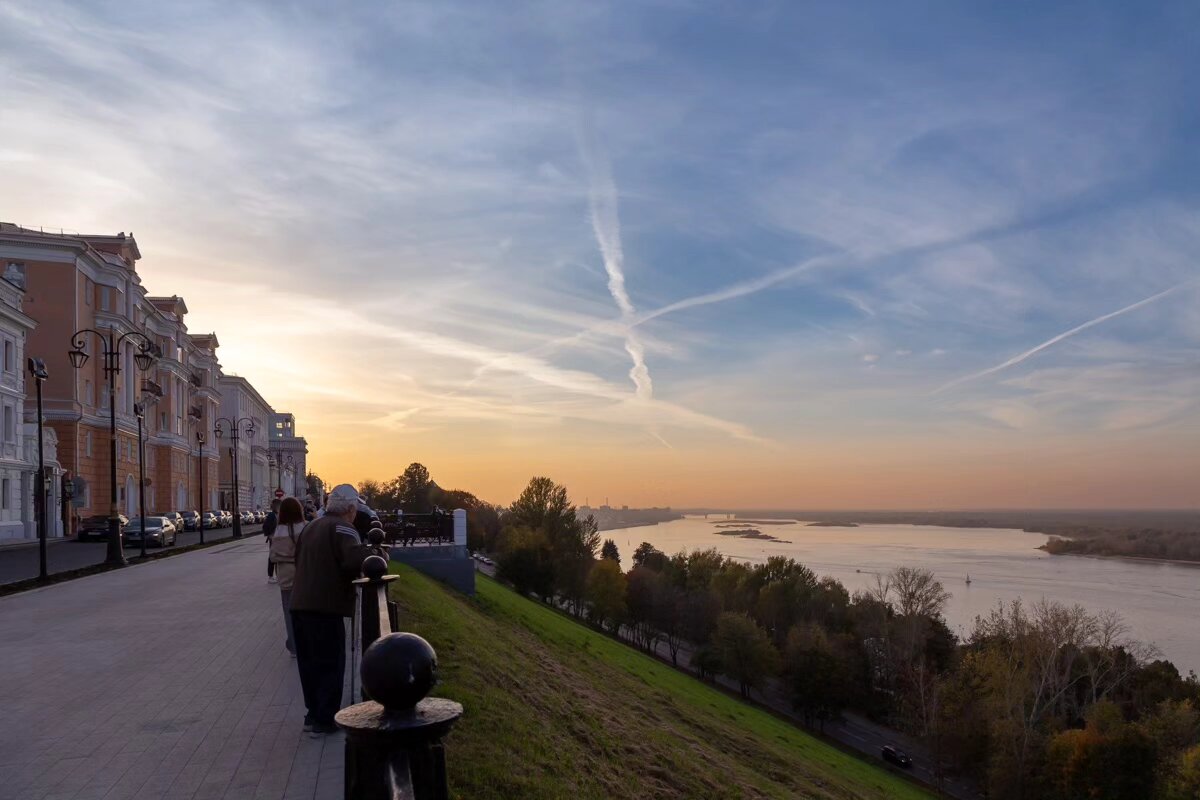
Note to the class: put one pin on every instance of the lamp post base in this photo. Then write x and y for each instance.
(237, 529)
(116, 550)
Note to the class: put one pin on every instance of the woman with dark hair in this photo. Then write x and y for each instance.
(283, 556)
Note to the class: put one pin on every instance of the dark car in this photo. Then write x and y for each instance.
(159, 531)
(191, 520)
(96, 527)
(894, 755)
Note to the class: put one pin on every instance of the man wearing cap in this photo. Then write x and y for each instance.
(329, 555)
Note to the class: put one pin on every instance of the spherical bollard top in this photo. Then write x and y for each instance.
(375, 536)
(374, 567)
(399, 670)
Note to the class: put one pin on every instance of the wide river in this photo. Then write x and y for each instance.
(1160, 602)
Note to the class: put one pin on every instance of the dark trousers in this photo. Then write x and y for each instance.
(321, 657)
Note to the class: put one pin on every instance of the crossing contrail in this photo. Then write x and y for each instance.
(1017, 359)
(602, 203)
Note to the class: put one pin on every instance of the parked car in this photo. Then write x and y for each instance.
(159, 531)
(226, 518)
(894, 755)
(96, 527)
(260, 515)
(247, 517)
(212, 519)
(191, 520)
(175, 517)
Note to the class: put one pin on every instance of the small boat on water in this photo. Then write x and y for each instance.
(968, 580)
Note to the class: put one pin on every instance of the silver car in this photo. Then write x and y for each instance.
(159, 531)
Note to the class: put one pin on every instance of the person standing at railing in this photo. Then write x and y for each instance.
(329, 556)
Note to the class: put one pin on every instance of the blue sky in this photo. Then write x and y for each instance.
(610, 240)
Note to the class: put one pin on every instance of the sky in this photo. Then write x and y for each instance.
(763, 254)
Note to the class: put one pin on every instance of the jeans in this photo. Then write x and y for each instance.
(285, 595)
(321, 658)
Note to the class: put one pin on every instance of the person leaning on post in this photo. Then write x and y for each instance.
(329, 555)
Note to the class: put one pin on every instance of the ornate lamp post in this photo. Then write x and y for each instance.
(110, 345)
(200, 439)
(37, 368)
(235, 429)
(139, 411)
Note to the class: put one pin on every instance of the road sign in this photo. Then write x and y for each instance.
(279, 494)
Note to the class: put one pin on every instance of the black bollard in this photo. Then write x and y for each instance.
(394, 747)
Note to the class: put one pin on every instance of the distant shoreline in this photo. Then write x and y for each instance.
(1150, 559)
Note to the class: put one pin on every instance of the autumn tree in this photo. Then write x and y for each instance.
(606, 593)
(745, 651)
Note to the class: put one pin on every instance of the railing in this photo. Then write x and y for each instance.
(394, 747)
(435, 528)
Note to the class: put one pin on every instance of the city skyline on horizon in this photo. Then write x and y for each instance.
(769, 258)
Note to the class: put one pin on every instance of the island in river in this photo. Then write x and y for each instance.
(833, 524)
(751, 533)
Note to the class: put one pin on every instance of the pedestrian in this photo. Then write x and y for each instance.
(329, 555)
(268, 529)
(290, 516)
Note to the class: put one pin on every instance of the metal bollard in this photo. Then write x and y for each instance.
(394, 747)
(374, 616)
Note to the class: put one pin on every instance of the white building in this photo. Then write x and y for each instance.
(288, 455)
(242, 404)
(18, 440)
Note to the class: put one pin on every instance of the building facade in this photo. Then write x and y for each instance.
(90, 283)
(288, 455)
(242, 405)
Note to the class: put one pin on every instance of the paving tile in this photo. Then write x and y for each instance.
(166, 680)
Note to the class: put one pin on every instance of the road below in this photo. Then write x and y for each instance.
(20, 561)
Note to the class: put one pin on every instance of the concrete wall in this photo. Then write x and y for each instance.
(450, 565)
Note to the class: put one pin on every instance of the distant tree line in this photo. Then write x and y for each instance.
(1040, 701)
(1143, 543)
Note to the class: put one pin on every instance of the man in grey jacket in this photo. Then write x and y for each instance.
(329, 555)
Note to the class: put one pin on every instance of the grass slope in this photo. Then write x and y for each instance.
(554, 710)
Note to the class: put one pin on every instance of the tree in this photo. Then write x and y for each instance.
(412, 489)
(524, 560)
(609, 551)
(370, 491)
(745, 651)
(1184, 782)
(817, 676)
(647, 555)
(1107, 760)
(314, 486)
(606, 593)
(917, 592)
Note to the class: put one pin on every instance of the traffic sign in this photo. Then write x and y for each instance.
(279, 494)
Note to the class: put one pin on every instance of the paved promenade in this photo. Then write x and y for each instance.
(164, 680)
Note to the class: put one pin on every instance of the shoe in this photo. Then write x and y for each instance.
(308, 725)
(322, 729)
(272, 579)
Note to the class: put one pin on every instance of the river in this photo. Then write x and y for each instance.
(1159, 601)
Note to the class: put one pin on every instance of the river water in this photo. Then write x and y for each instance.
(1159, 601)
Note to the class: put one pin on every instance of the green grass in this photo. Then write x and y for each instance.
(555, 710)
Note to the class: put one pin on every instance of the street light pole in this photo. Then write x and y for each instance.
(144, 359)
(37, 368)
(139, 411)
(234, 430)
(200, 441)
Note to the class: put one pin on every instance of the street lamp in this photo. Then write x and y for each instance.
(110, 345)
(139, 411)
(37, 368)
(200, 439)
(235, 428)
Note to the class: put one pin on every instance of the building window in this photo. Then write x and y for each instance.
(4, 488)
(87, 444)
(89, 397)
(105, 298)
(9, 429)
(9, 355)
(88, 289)
(104, 397)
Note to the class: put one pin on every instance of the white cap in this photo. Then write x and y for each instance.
(344, 492)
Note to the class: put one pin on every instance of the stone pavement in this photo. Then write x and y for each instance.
(163, 680)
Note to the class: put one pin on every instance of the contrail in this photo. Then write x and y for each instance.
(602, 202)
(1017, 359)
